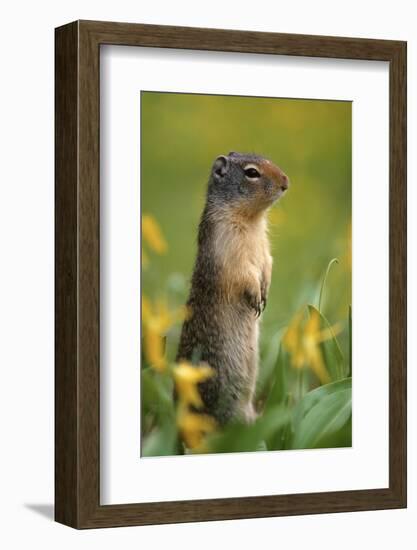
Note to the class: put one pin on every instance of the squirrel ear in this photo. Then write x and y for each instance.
(220, 167)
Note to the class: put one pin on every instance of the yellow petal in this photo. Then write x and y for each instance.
(186, 378)
(194, 427)
(291, 338)
(329, 333)
(163, 318)
(298, 358)
(312, 326)
(316, 364)
(153, 235)
(155, 349)
(159, 317)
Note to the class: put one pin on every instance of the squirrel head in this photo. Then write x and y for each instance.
(246, 182)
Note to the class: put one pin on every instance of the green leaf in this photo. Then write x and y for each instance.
(278, 396)
(323, 284)
(241, 437)
(315, 396)
(278, 392)
(281, 438)
(262, 446)
(161, 441)
(332, 354)
(323, 417)
(267, 364)
(157, 394)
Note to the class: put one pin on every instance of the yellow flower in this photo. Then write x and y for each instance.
(292, 340)
(194, 427)
(302, 340)
(157, 319)
(186, 378)
(155, 349)
(157, 316)
(153, 235)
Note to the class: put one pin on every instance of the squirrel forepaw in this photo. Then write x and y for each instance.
(264, 292)
(256, 302)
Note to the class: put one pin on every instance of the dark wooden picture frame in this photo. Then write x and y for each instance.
(77, 372)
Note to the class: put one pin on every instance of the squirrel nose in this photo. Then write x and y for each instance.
(285, 182)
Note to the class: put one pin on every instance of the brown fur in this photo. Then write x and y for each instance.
(241, 248)
(230, 284)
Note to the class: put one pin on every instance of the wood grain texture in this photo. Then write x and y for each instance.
(66, 237)
(398, 274)
(78, 286)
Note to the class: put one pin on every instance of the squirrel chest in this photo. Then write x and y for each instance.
(242, 252)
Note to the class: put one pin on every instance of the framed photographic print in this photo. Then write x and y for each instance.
(230, 274)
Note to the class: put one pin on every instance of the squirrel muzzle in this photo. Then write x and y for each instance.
(276, 175)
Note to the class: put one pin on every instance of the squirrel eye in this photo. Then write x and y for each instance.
(252, 173)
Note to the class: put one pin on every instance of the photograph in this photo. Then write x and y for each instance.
(246, 274)
(208, 257)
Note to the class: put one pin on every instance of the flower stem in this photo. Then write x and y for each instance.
(333, 261)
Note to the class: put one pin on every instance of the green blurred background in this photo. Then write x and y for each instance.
(182, 134)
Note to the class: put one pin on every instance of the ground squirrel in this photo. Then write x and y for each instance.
(230, 282)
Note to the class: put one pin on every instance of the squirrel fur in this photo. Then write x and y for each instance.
(230, 282)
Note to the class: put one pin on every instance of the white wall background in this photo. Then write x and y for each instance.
(26, 272)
